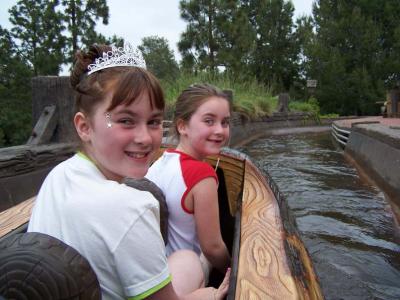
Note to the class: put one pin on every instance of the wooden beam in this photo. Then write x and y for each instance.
(16, 216)
(45, 126)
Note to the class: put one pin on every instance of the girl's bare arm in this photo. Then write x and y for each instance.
(206, 213)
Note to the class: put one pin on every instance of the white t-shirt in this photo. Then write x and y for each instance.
(114, 226)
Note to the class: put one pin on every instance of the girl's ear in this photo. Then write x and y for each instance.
(181, 127)
(82, 126)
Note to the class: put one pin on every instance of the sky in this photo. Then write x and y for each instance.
(136, 19)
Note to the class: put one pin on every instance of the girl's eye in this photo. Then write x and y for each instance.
(209, 121)
(156, 123)
(126, 122)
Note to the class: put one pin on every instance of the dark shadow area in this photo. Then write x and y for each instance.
(227, 223)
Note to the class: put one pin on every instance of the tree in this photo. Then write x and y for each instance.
(356, 38)
(15, 74)
(38, 29)
(305, 38)
(218, 36)
(276, 52)
(113, 40)
(306, 41)
(159, 57)
(197, 45)
(81, 17)
(236, 38)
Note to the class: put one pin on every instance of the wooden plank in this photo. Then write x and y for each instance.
(263, 271)
(45, 126)
(15, 216)
(233, 173)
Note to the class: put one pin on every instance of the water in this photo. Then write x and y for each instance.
(345, 222)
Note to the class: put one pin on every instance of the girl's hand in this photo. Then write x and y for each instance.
(222, 291)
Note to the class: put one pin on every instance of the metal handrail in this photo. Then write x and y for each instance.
(340, 130)
(336, 137)
(340, 135)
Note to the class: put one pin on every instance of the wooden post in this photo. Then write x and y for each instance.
(394, 99)
(55, 90)
(283, 103)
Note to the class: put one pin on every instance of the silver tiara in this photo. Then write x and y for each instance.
(127, 56)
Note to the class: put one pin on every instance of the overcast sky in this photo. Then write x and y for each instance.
(135, 19)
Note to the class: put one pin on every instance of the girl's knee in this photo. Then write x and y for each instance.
(186, 270)
(185, 260)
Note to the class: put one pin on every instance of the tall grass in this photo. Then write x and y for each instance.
(311, 106)
(249, 97)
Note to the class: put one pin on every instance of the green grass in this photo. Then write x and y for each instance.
(329, 116)
(249, 97)
(311, 105)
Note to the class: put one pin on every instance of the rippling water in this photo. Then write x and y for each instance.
(345, 223)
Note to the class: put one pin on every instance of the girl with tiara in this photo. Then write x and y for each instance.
(83, 201)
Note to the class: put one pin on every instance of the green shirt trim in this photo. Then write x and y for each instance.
(83, 155)
(152, 290)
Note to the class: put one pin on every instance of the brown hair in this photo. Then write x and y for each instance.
(190, 99)
(126, 83)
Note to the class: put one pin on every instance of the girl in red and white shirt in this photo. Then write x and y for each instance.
(201, 124)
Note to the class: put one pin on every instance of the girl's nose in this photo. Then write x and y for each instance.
(142, 135)
(219, 129)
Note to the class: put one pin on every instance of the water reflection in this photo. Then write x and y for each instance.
(345, 222)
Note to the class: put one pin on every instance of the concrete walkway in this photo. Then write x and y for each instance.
(389, 122)
(374, 146)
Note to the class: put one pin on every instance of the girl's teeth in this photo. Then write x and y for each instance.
(137, 155)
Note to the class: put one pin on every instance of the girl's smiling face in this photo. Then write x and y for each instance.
(207, 131)
(122, 142)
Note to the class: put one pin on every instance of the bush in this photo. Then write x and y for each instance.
(311, 106)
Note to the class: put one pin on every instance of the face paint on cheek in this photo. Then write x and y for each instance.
(108, 120)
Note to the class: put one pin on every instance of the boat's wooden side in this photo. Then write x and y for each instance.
(271, 262)
(269, 259)
(233, 168)
(263, 271)
(12, 219)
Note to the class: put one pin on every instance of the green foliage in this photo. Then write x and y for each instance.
(354, 54)
(50, 32)
(15, 117)
(198, 44)
(253, 99)
(245, 38)
(36, 46)
(38, 27)
(81, 18)
(274, 61)
(236, 38)
(250, 98)
(311, 106)
(329, 116)
(159, 58)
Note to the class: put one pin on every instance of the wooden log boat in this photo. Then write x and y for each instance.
(269, 259)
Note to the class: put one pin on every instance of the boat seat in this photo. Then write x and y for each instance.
(144, 184)
(37, 266)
